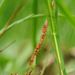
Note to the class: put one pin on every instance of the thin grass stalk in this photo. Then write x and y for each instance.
(25, 19)
(3, 30)
(15, 12)
(33, 58)
(4, 48)
(58, 52)
(38, 46)
(35, 11)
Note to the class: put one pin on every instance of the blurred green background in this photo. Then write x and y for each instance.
(19, 41)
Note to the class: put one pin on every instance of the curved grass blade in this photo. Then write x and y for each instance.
(2, 31)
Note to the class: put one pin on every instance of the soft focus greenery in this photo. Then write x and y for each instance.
(25, 29)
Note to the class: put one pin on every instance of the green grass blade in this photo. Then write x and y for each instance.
(20, 21)
(35, 11)
(58, 52)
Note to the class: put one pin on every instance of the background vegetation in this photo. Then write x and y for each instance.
(21, 23)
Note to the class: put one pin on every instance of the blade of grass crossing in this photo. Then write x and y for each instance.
(58, 52)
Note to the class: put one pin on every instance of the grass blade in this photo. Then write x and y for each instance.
(58, 52)
(35, 11)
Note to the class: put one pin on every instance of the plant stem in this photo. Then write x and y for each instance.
(33, 57)
(3, 49)
(5, 29)
(35, 11)
(57, 50)
(15, 12)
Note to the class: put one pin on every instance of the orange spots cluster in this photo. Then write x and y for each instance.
(44, 30)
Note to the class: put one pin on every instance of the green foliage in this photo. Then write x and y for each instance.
(21, 21)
